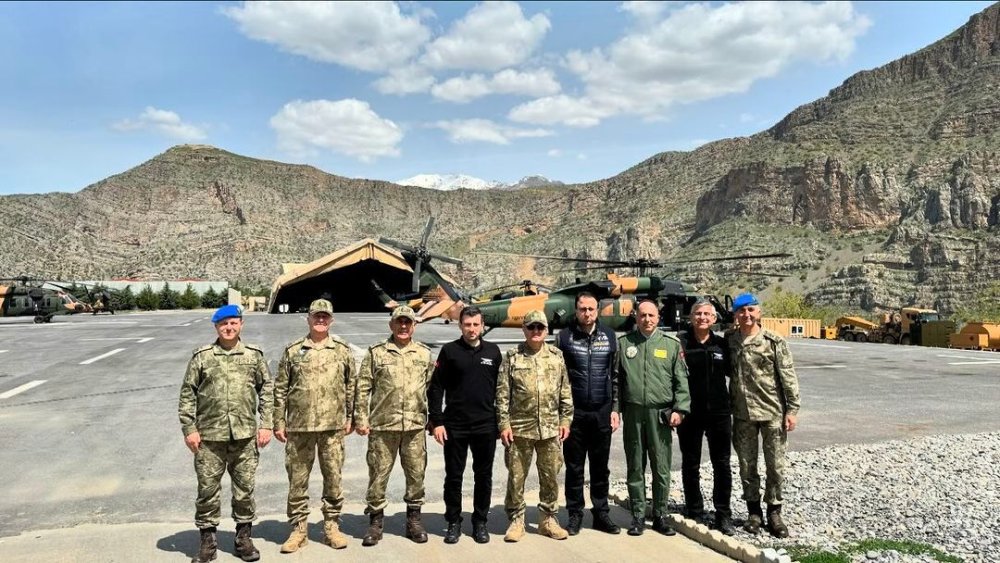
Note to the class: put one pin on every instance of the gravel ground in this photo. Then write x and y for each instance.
(939, 490)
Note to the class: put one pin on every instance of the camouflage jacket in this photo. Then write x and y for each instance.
(763, 385)
(651, 372)
(314, 389)
(392, 387)
(226, 393)
(534, 397)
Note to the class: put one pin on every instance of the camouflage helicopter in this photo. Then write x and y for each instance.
(617, 296)
(20, 298)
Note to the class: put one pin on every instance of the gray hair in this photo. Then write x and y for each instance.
(702, 302)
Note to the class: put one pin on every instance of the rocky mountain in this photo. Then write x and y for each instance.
(886, 192)
(449, 182)
(462, 181)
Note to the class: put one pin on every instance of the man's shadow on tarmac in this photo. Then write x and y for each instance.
(353, 525)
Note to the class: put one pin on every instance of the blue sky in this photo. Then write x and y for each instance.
(573, 91)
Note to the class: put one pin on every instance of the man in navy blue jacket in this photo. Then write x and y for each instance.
(589, 350)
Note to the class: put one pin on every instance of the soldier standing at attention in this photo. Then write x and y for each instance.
(707, 358)
(765, 398)
(534, 412)
(225, 409)
(391, 409)
(313, 406)
(589, 348)
(465, 378)
(651, 392)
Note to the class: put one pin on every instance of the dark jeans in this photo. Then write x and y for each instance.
(456, 451)
(589, 436)
(719, 430)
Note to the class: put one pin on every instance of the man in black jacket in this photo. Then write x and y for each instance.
(589, 350)
(465, 377)
(707, 358)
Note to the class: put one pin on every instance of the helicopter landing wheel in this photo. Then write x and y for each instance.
(39, 319)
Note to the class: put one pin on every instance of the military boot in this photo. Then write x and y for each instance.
(414, 527)
(298, 538)
(755, 518)
(515, 531)
(244, 545)
(374, 533)
(774, 523)
(332, 534)
(208, 548)
(549, 526)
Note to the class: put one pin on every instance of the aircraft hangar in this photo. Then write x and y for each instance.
(344, 277)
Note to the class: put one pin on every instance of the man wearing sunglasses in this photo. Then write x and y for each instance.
(534, 412)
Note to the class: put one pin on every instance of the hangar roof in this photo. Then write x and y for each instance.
(365, 249)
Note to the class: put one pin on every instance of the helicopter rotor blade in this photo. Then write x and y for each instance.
(415, 287)
(447, 259)
(427, 232)
(728, 258)
(397, 244)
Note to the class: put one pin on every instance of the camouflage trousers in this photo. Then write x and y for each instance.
(383, 445)
(549, 463)
(646, 439)
(772, 440)
(239, 458)
(300, 451)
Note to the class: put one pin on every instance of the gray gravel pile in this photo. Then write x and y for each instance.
(939, 490)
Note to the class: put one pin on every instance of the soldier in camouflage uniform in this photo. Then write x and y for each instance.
(534, 412)
(225, 409)
(651, 392)
(765, 398)
(313, 406)
(390, 407)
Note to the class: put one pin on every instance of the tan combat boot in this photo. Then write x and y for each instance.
(515, 531)
(298, 538)
(549, 526)
(334, 537)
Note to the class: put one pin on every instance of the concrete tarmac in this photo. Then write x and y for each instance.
(88, 407)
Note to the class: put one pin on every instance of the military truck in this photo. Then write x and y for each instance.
(911, 325)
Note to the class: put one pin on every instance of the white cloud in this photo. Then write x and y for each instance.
(410, 79)
(162, 121)
(370, 36)
(696, 52)
(348, 127)
(540, 82)
(491, 36)
(554, 153)
(485, 131)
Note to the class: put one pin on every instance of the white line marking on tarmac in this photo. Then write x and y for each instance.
(22, 388)
(3, 351)
(141, 340)
(102, 356)
(957, 357)
(186, 324)
(974, 363)
(831, 366)
(816, 345)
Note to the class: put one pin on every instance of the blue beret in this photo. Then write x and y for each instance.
(227, 312)
(744, 299)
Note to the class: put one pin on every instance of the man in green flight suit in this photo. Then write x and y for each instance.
(651, 392)
(313, 408)
(534, 412)
(390, 407)
(225, 410)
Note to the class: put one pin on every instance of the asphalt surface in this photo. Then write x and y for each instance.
(88, 408)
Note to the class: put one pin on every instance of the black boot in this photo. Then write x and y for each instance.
(374, 533)
(454, 532)
(755, 518)
(479, 532)
(662, 525)
(604, 523)
(414, 527)
(724, 524)
(774, 523)
(208, 548)
(575, 521)
(244, 545)
(637, 527)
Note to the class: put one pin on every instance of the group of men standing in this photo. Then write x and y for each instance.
(548, 402)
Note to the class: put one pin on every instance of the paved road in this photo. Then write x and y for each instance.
(88, 407)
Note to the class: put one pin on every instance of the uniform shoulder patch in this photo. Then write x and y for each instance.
(338, 339)
(377, 345)
(201, 349)
(671, 336)
(295, 343)
(771, 335)
(422, 345)
(254, 347)
(554, 349)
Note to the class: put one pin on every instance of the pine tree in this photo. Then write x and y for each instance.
(210, 299)
(148, 300)
(168, 297)
(123, 300)
(189, 299)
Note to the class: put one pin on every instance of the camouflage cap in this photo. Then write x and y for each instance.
(535, 317)
(321, 306)
(403, 311)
